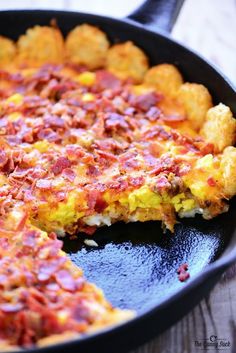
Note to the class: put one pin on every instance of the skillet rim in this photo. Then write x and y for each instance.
(217, 267)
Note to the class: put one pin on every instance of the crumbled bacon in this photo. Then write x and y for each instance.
(47, 269)
(105, 79)
(54, 121)
(44, 184)
(145, 101)
(183, 275)
(153, 113)
(93, 171)
(162, 184)
(165, 164)
(157, 132)
(21, 224)
(11, 308)
(96, 202)
(136, 181)
(29, 238)
(211, 182)
(69, 174)
(61, 164)
(65, 280)
(74, 152)
(173, 118)
(3, 158)
(114, 122)
(107, 156)
(48, 134)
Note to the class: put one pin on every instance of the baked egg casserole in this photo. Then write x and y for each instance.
(91, 135)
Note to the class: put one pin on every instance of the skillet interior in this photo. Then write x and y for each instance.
(135, 264)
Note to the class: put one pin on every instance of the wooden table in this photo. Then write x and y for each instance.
(209, 27)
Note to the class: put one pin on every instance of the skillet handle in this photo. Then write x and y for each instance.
(157, 14)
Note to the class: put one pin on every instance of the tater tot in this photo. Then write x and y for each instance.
(165, 78)
(196, 100)
(40, 45)
(7, 51)
(125, 60)
(228, 169)
(219, 127)
(87, 45)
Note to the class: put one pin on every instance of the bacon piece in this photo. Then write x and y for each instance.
(100, 205)
(157, 132)
(162, 184)
(119, 185)
(205, 148)
(11, 307)
(130, 111)
(81, 313)
(95, 201)
(20, 173)
(65, 280)
(48, 134)
(54, 121)
(3, 280)
(74, 152)
(109, 144)
(128, 161)
(4, 243)
(173, 118)
(153, 114)
(44, 184)
(114, 122)
(50, 248)
(93, 171)
(47, 268)
(183, 275)
(60, 196)
(90, 230)
(29, 238)
(69, 174)
(107, 156)
(3, 158)
(167, 164)
(61, 163)
(20, 226)
(136, 181)
(36, 173)
(211, 182)
(105, 80)
(6, 75)
(184, 169)
(145, 101)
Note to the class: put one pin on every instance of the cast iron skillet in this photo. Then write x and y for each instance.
(136, 264)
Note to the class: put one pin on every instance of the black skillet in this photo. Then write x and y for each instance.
(136, 264)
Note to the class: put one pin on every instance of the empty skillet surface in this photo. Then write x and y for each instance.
(135, 264)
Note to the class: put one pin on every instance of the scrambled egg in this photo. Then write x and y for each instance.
(146, 198)
(57, 217)
(42, 146)
(87, 78)
(15, 98)
(204, 178)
